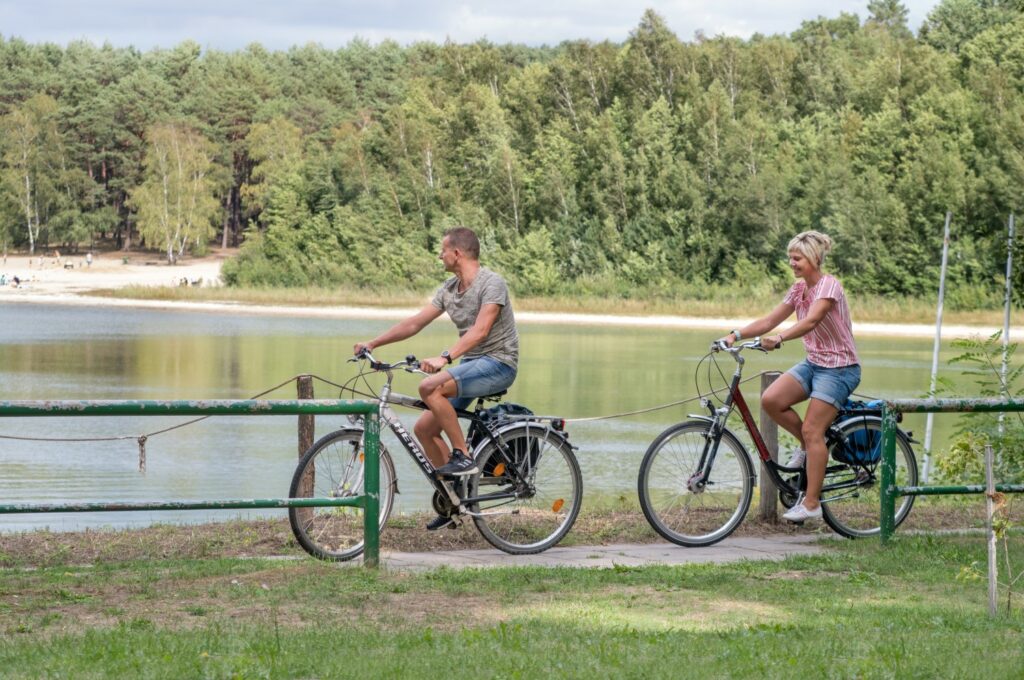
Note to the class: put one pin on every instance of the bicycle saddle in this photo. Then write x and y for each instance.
(493, 397)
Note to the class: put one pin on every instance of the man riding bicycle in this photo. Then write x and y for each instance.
(477, 301)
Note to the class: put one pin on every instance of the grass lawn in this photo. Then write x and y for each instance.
(859, 610)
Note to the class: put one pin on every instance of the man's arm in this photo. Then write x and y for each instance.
(474, 336)
(401, 330)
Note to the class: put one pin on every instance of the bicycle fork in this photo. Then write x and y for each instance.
(699, 479)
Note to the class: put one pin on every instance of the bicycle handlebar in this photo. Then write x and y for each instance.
(720, 346)
(411, 364)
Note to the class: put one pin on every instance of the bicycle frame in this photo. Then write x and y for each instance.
(771, 467)
(413, 448)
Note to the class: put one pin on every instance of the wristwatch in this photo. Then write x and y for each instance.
(446, 355)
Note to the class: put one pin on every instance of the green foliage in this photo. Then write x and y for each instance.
(637, 168)
(983, 358)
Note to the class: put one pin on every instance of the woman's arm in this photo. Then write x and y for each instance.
(762, 325)
(819, 308)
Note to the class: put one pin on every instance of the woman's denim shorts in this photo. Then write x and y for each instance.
(478, 377)
(830, 385)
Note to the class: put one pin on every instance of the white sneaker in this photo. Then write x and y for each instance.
(797, 459)
(800, 514)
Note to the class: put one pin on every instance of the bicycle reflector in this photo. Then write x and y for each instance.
(557, 505)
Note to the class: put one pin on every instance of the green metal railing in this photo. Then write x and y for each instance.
(890, 491)
(369, 501)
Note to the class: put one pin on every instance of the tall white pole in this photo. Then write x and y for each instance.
(935, 349)
(1006, 317)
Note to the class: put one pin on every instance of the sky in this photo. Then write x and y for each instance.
(233, 24)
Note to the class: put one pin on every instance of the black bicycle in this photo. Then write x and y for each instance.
(696, 480)
(524, 500)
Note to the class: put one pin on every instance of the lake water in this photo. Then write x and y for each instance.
(55, 352)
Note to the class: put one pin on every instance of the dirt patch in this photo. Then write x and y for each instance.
(405, 533)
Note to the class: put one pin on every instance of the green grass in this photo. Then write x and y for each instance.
(718, 302)
(859, 610)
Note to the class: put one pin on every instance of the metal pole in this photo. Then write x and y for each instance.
(1006, 324)
(768, 509)
(307, 430)
(888, 491)
(935, 349)
(993, 569)
(371, 491)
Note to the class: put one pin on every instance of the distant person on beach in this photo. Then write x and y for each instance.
(829, 374)
(88, 259)
(477, 301)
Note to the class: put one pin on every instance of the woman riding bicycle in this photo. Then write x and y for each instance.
(827, 376)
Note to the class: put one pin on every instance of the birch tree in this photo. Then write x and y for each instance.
(175, 202)
(29, 137)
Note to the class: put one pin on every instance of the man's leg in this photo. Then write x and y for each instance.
(428, 432)
(435, 392)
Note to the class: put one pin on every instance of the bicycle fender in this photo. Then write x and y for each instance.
(696, 416)
(875, 419)
(543, 431)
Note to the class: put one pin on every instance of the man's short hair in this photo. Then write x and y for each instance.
(464, 239)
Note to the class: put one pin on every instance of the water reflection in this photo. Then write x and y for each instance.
(51, 352)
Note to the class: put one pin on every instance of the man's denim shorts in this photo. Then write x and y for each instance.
(478, 377)
(830, 385)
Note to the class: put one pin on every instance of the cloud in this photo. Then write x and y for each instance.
(232, 24)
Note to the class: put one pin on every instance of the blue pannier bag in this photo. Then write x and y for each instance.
(862, 445)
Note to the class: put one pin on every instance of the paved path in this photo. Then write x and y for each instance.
(729, 550)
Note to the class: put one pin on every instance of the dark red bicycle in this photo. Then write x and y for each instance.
(696, 480)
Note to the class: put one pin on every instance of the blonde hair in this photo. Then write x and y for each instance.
(811, 244)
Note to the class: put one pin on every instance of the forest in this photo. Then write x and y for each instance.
(589, 168)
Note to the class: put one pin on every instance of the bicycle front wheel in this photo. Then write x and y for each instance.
(333, 468)
(676, 506)
(851, 494)
(529, 512)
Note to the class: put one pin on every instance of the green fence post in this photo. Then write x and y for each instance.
(888, 490)
(371, 491)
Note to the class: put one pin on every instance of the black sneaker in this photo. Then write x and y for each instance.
(440, 522)
(459, 464)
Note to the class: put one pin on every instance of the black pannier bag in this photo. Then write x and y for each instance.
(498, 416)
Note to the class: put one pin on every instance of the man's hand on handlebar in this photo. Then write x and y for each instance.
(433, 364)
(361, 348)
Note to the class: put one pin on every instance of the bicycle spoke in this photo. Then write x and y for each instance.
(694, 516)
(851, 502)
(549, 493)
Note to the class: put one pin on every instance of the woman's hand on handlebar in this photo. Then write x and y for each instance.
(770, 342)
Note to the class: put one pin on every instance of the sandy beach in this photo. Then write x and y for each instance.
(68, 280)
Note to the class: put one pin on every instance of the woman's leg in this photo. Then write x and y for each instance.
(778, 400)
(819, 416)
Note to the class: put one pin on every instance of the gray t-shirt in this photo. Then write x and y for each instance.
(502, 343)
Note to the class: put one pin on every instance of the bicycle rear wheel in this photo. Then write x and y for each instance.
(679, 510)
(333, 468)
(531, 514)
(853, 505)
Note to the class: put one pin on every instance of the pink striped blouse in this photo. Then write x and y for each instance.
(830, 344)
